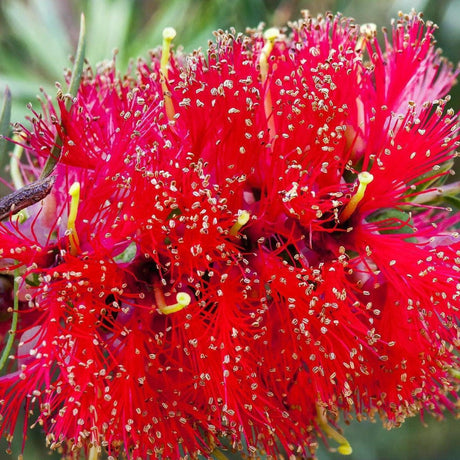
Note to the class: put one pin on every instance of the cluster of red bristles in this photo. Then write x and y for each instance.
(239, 247)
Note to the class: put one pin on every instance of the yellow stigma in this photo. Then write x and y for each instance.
(364, 179)
(270, 36)
(182, 300)
(168, 35)
(344, 446)
(243, 219)
(367, 31)
(74, 192)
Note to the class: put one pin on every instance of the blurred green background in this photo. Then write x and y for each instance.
(37, 37)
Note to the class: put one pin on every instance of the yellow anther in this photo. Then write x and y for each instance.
(364, 179)
(345, 449)
(74, 192)
(270, 36)
(168, 35)
(243, 219)
(367, 31)
(344, 446)
(182, 300)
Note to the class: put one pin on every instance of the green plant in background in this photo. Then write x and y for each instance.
(38, 36)
(128, 25)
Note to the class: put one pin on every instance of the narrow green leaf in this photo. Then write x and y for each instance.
(108, 25)
(433, 178)
(453, 201)
(33, 26)
(5, 116)
(77, 71)
(14, 323)
(78, 64)
(128, 255)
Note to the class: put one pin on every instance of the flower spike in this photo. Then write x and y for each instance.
(364, 179)
(232, 229)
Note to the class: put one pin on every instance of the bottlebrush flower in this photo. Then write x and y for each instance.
(255, 243)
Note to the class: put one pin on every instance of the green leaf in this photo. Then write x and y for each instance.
(77, 71)
(452, 200)
(128, 255)
(5, 116)
(402, 222)
(109, 24)
(41, 31)
(433, 178)
(14, 323)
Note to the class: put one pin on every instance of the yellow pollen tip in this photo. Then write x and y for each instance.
(168, 35)
(243, 219)
(344, 446)
(270, 36)
(366, 31)
(74, 192)
(345, 449)
(183, 300)
(364, 179)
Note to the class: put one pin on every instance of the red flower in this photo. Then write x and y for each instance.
(255, 242)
